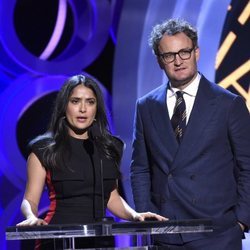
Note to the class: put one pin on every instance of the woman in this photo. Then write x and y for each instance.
(71, 159)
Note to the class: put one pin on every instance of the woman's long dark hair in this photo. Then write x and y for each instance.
(57, 145)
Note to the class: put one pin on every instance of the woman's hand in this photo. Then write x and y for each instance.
(148, 215)
(120, 208)
(32, 221)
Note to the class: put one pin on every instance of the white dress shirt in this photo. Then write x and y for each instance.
(189, 94)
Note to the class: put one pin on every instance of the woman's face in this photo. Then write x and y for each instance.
(81, 111)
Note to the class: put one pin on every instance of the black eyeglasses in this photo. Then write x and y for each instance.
(169, 57)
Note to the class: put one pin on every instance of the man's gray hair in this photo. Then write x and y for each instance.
(171, 27)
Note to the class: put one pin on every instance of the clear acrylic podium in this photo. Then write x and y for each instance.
(139, 229)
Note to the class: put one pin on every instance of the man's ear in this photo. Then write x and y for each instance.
(161, 64)
(197, 53)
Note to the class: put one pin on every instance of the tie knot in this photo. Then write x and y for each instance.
(179, 94)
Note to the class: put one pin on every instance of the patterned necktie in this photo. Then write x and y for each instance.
(179, 117)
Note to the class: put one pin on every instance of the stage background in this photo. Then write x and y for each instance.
(43, 42)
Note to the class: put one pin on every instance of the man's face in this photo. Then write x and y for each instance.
(180, 71)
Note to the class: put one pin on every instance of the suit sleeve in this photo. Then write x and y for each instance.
(140, 170)
(239, 132)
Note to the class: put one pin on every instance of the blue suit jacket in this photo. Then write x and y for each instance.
(208, 175)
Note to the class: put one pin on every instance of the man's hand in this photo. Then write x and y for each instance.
(241, 226)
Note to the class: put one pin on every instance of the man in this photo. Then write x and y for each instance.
(191, 148)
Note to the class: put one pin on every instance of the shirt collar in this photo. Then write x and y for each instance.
(190, 90)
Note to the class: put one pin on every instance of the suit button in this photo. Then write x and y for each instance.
(193, 200)
(170, 176)
(192, 177)
(203, 153)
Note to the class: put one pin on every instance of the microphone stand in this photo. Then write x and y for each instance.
(104, 219)
(91, 149)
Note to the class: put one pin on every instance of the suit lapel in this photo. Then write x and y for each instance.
(161, 122)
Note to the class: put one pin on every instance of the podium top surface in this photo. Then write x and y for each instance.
(108, 229)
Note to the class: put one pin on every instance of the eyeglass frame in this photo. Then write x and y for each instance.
(176, 53)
